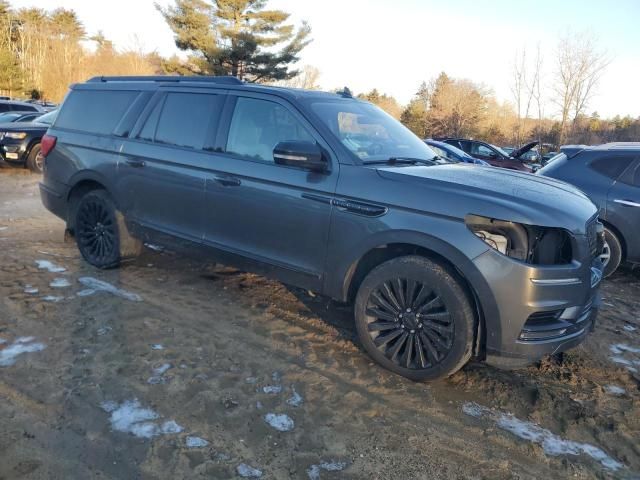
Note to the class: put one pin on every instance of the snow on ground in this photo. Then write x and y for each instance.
(60, 283)
(313, 472)
(246, 471)
(551, 444)
(102, 286)
(279, 421)
(130, 417)
(10, 353)
(49, 266)
(195, 442)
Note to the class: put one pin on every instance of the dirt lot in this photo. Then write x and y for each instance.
(182, 372)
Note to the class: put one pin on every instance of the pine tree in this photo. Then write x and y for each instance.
(236, 37)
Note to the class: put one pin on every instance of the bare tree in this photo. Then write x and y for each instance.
(534, 88)
(579, 68)
(307, 79)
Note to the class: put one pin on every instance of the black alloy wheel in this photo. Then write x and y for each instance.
(415, 318)
(409, 323)
(96, 230)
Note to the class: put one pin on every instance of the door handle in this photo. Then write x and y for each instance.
(135, 162)
(227, 181)
(628, 203)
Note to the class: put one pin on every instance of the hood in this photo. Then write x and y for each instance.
(23, 126)
(461, 189)
(522, 150)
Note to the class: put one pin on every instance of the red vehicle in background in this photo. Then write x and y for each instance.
(495, 155)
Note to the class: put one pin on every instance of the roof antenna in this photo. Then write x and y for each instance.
(345, 92)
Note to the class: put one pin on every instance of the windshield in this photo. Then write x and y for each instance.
(369, 132)
(7, 117)
(47, 118)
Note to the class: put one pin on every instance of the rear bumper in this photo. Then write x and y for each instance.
(15, 153)
(540, 310)
(54, 200)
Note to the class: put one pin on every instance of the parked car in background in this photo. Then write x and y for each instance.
(20, 142)
(329, 193)
(492, 154)
(610, 175)
(10, 117)
(452, 153)
(13, 106)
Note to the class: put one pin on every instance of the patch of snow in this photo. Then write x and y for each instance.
(196, 442)
(131, 417)
(629, 328)
(279, 421)
(60, 283)
(49, 266)
(2, 229)
(30, 289)
(103, 330)
(251, 380)
(246, 471)
(52, 298)
(313, 472)
(102, 286)
(272, 389)
(161, 369)
(296, 399)
(276, 377)
(86, 292)
(623, 347)
(615, 390)
(158, 372)
(155, 248)
(551, 444)
(157, 346)
(9, 354)
(259, 405)
(2, 340)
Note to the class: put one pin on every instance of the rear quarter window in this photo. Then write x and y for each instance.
(611, 167)
(94, 111)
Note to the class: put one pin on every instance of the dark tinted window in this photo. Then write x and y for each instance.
(95, 111)
(185, 118)
(24, 108)
(259, 125)
(4, 107)
(611, 167)
(149, 129)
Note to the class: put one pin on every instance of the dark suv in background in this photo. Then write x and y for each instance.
(20, 141)
(495, 155)
(610, 175)
(443, 262)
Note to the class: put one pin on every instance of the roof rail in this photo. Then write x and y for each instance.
(226, 80)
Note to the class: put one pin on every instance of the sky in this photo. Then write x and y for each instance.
(393, 45)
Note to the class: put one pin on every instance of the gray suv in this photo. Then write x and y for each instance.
(442, 262)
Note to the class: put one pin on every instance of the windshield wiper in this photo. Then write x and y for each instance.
(403, 160)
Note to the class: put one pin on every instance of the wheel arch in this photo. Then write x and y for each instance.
(618, 235)
(415, 243)
(82, 183)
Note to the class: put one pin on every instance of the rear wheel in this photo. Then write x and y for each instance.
(414, 318)
(35, 159)
(611, 256)
(101, 233)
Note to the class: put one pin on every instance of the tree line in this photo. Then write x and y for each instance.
(42, 52)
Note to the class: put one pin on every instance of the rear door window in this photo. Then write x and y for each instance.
(611, 166)
(258, 126)
(94, 111)
(185, 119)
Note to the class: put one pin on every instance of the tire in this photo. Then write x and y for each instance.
(35, 160)
(101, 233)
(424, 335)
(612, 255)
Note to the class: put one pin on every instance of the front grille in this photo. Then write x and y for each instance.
(592, 235)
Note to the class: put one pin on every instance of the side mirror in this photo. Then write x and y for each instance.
(306, 155)
(493, 155)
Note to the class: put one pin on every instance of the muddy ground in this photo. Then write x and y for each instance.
(178, 378)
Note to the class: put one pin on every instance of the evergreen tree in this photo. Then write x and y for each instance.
(236, 37)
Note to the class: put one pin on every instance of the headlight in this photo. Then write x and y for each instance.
(531, 244)
(15, 135)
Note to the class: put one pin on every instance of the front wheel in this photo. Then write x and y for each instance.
(414, 318)
(35, 160)
(611, 255)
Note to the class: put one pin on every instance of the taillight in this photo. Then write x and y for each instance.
(46, 144)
